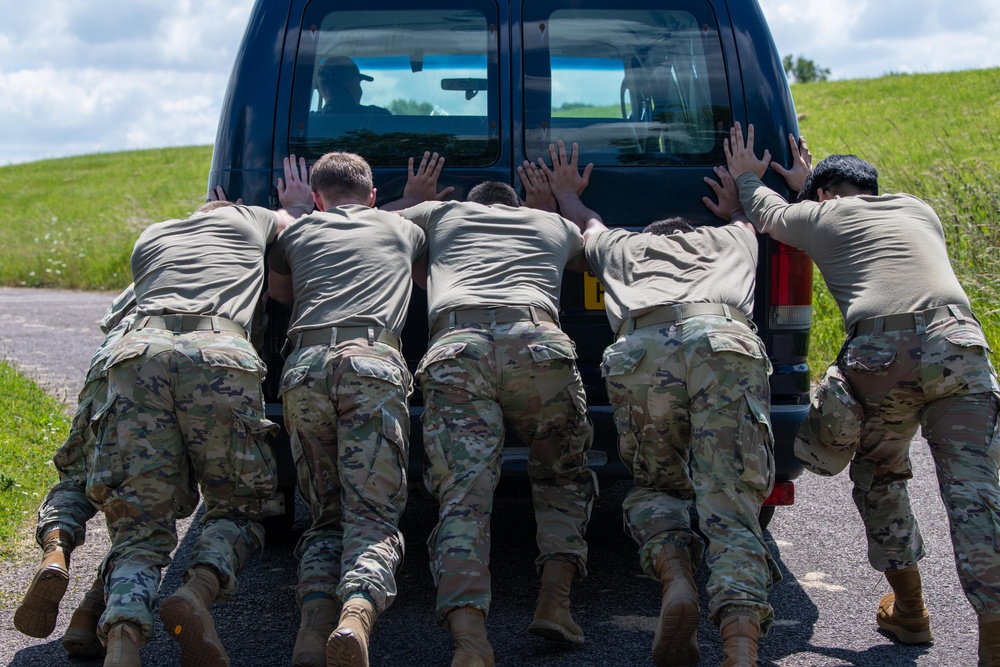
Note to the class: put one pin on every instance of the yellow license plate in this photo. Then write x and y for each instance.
(593, 292)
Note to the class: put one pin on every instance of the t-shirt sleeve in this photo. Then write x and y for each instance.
(575, 240)
(266, 219)
(772, 215)
(418, 239)
(277, 259)
(420, 215)
(599, 245)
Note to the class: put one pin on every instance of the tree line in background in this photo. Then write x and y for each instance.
(804, 70)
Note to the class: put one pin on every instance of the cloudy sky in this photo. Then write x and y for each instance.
(145, 73)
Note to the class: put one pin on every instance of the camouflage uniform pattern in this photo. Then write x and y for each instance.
(477, 380)
(184, 411)
(941, 380)
(691, 403)
(66, 506)
(347, 415)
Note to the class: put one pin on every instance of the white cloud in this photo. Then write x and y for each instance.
(131, 74)
(866, 38)
(78, 77)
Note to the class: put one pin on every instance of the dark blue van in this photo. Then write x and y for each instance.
(647, 88)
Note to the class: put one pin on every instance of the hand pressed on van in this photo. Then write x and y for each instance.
(537, 193)
(801, 167)
(740, 156)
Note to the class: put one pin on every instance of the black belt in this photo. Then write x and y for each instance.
(333, 335)
(917, 321)
(187, 323)
(498, 315)
(682, 311)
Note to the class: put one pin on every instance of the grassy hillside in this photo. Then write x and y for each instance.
(32, 426)
(72, 222)
(933, 136)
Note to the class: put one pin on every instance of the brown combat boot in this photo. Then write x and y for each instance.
(319, 618)
(36, 615)
(187, 617)
(675, 643)
(472, 646)
(552, 616)
(739, 640)
(989, 640)
(348, 645)
(903, 612)
(80, 639)
(124, 641)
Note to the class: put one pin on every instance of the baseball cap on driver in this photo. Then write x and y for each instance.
(341, 68)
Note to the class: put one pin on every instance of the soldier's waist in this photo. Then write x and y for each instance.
(332, 335)
(449, 319)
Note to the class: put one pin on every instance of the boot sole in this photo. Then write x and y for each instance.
(79, 643)
(36, 615)
(676, 641)
(554, 632)
(184, 623)
(906, 636)
(343, 649)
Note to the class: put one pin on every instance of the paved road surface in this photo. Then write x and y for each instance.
(824, 607)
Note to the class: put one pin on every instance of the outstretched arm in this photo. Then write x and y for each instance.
(801, 164)
(567, 183)
(422, 183)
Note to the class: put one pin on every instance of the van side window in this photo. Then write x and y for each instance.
(631, 86)
(390, 83)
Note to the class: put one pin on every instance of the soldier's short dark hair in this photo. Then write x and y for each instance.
(669, 226)
(488, 193)
(342, 175)
(212, 205)
(840, 170)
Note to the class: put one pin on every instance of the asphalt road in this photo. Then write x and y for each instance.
(824, 606)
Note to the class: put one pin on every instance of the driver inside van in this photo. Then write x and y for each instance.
(339, 81)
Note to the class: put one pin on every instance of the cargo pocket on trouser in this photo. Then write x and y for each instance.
(253, 468)
(106, 473)
(72, 459)
(864, 357)
(386, 481)
(385, 484)
(754, 447)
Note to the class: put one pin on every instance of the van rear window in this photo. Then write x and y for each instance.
(390, 83)
(632, 85)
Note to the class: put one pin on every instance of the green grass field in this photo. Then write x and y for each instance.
(72, 222)
(933, 136)
(32, 426)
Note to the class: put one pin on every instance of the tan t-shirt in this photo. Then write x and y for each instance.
(483, 256)
(641, 271)
(879, 255)
(208, 264)
(350, 266)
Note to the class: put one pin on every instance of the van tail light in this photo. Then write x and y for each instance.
(783, 494)
(790, 305)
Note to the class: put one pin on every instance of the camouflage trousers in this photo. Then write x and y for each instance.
(477, 381)
(347, 414)
(941, 380)
(66, 506)
(184, 411)
(691, 405)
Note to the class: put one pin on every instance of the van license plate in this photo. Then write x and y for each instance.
(593, 292)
